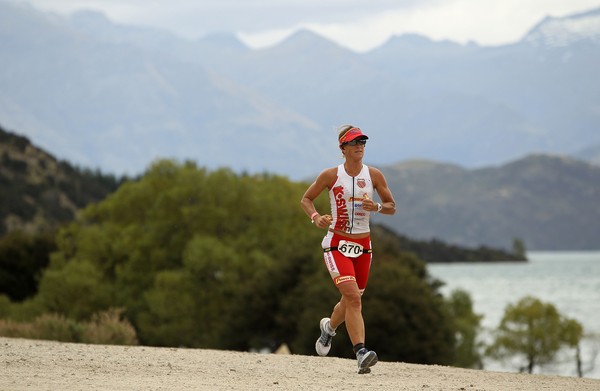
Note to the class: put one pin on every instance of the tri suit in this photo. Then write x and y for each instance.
(346, 258)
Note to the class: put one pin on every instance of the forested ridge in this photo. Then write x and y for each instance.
(39, 192)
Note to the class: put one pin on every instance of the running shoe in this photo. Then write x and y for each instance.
(323, 344)
(366, 359)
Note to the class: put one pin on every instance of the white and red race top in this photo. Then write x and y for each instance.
(346, 196)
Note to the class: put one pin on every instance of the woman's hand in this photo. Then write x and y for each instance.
(369, 205)
(323, 221)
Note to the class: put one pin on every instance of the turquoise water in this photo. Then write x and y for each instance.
(569, 280)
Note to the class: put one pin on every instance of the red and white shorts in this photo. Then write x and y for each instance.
(354, 267)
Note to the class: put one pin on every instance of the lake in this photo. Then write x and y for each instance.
(568, 280)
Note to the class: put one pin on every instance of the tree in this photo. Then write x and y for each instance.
(467, 347)
(219, 260)
(77, 291)
(406, 318)
(572, 333)
(535, 332)
(23, 256)
(518, 248)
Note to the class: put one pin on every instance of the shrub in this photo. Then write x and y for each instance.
(56, 327)
(48, 326)
(107, 327)
(10, 328)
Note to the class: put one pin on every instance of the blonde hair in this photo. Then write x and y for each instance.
(342, 130)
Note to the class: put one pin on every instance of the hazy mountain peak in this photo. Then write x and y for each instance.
(419, 45)
(590, 154)
(559, 32)
(408, 39)
(96, 24)
(306, 38)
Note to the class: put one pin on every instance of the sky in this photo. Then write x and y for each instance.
(359, 25)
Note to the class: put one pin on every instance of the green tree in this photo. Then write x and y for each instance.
(405, 316)
(518, 248)
(221, 260)
(533, 331)
(467, 348)
(23, 257)
(572, 333)
(78, 290)
(183, 234)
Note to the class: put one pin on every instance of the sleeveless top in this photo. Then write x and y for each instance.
(346, 196)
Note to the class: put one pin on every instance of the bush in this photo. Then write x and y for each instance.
(108, 328)
(48, 326)
(10, 328)
(56, 327)
(104, 328)
(5, 306)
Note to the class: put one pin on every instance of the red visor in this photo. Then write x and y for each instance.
(352, 134)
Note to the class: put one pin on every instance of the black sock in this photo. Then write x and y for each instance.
(358, 347)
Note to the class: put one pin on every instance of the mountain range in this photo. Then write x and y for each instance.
(116, 97)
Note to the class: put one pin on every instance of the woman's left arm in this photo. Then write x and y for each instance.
(388, 205)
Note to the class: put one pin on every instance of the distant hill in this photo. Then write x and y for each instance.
(550, 202)
(590, 154)
(438, 251)
(118, 97)
(40, 192)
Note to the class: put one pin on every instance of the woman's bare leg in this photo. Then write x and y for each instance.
(349, 310)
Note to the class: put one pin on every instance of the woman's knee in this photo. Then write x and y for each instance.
(351, 297)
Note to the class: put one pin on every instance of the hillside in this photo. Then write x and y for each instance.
(438, 251)
(45, 365)
(550, 202)
(40, 192)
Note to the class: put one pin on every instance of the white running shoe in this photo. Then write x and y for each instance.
(366, 359)
(323, 344)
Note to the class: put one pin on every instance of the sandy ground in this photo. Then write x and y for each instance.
(46, 365)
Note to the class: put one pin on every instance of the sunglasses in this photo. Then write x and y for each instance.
(356, 142)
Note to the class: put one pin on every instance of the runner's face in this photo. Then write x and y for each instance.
(354, 151)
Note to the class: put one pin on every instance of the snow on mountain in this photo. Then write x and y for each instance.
(560, 32)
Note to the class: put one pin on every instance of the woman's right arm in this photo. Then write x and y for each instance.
(324, 179)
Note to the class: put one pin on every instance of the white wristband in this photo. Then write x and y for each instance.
(379, 207)
(312, 217)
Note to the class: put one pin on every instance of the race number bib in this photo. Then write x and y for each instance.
(350, 249)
